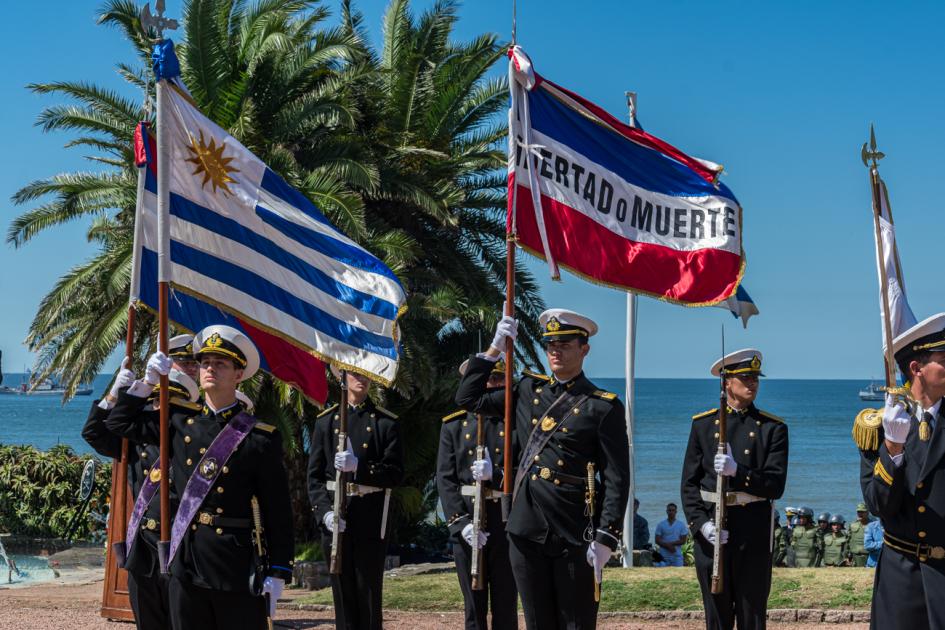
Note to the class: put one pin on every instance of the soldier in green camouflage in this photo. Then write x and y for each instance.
(823, 528)
(779, 551)
(836, 550)
(856, 533)
(804, 540)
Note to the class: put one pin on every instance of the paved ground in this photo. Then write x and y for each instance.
(76, 606)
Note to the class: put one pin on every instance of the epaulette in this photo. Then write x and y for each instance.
(770, 416)
(183, 403)
(604, 395)
(389, 414)
(326, 411)
(866, 429)
(454, 415)
(705, 414)
(262, 426)
(540, 377)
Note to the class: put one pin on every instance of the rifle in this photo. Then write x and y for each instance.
(479, 515)
(720, 481)
(262, 558)
(341, 480)
(591, 500)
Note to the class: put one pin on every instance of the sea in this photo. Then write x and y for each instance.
(823, 468)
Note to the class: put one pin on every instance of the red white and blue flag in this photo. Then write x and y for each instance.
(615, 204)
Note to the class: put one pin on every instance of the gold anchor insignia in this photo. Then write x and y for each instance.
(215, 341)
(155, 475)
(553, 324)
(755, 363)
(208, 468)
(547, 424)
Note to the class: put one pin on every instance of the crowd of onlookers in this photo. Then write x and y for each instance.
(828, 541)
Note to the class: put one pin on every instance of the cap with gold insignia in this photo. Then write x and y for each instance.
(559, 324)
(179, 384)
(226, 341)
(745, 361)
(926, 336)
(497, 368)
(181, 347)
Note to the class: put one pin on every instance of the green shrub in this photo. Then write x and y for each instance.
(39, 492)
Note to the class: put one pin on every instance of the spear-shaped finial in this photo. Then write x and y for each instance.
(871, 154)
(157, 22)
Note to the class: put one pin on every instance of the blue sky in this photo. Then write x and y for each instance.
(782, 94)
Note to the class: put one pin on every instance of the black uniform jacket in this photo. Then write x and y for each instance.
(454, 458)
(759, 442)
(219, 554)
(141, 557)
(551, 498)
(909, 499)
(375, 439)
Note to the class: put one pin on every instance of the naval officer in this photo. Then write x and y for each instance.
(571, 440)
(903, 481)
(756, 468)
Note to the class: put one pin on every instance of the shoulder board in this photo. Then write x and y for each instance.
(184, 404)
(770, 416)
(389, 414)
(604, 395)
(540, 377)
(327, 411)
(262, 426)
(454, 415)
(705, 414)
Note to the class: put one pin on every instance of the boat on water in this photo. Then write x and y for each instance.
(873, 392)
(31, 387)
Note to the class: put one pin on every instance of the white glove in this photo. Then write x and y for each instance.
(482, 468)
(272, 586)
(345, 461)
(507, 328)
(329, 521)
(124, 378)
(708, 532)
(896, 421)
(158, 365)
(725, 464)
(468, 536)
(597, 556)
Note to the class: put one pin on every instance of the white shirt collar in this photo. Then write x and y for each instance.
(932, 410)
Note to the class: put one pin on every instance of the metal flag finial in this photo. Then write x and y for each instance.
(159, 23)
(871, 153)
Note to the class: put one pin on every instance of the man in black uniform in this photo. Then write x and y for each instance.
(147, 587)
(756, 467)
(223, 461)
(457, 471)
(374, 456)
(903, 481)
(566, 430)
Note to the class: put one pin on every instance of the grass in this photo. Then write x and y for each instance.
(645, 589)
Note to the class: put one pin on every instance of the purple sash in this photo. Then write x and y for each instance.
(205, 474)
(148, 489)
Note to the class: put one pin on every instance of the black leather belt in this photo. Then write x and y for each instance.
(922, 551)
(215, 520)
(556, 476)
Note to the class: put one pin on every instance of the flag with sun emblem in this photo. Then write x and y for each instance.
(245, 242)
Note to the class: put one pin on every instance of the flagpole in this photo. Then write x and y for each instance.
(630, 365)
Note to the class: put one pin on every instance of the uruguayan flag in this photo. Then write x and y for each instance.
(244, 240)
(741, 305)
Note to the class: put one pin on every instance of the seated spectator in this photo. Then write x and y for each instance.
(873, 541)
(671, 535)
(641, 529)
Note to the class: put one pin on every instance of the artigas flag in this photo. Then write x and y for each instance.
(613, 203)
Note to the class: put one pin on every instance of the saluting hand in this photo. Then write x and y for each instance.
(896, 421)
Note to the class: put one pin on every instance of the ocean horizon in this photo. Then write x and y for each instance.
(823, 469)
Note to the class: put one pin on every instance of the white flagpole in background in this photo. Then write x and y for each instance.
(629, 391)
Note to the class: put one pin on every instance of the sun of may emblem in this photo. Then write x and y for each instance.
(210, 161)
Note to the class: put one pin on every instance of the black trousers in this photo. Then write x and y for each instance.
(746, 582)
(555, 582)
(907, 593)
(196, 608)
(149, 601)
(499, 585)
(357, 591)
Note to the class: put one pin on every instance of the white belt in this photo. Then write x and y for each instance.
(487, 493)
(355, 489)
(732, 498)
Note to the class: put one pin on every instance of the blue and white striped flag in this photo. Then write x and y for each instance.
(244, 240)
(741, 305)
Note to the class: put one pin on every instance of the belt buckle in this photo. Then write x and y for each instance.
(351, 488)
(205, 519)
(731, 498)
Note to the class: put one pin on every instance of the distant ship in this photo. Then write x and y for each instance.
(47, 387)
(873, 392)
